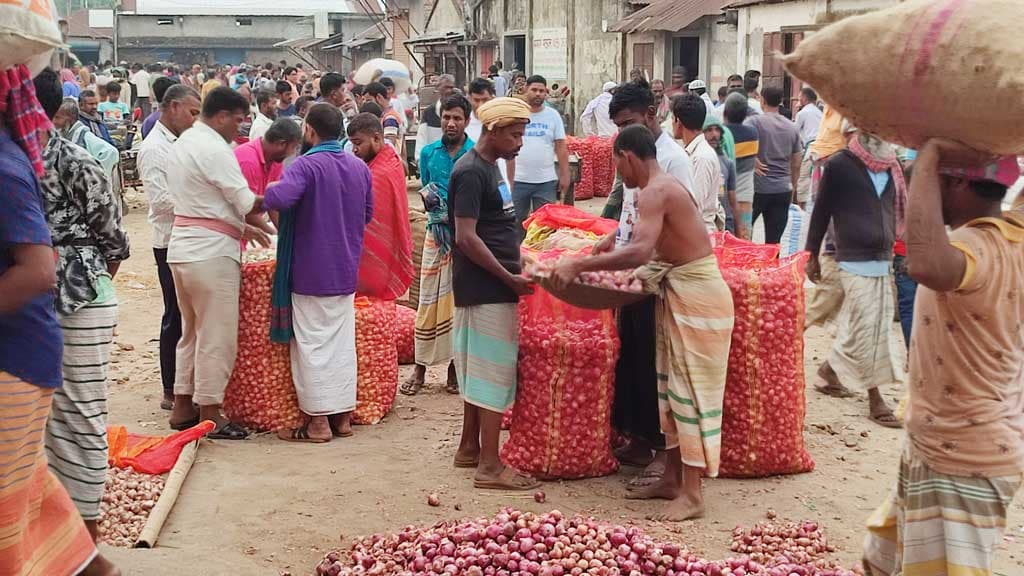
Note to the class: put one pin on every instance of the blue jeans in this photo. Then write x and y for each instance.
(906, 290)
(528, 197)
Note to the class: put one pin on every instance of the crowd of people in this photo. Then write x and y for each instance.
(232, 157)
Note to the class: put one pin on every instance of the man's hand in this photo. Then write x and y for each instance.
(605, 244)
(814, 269)
(565, 271)
(253, 234)
(521, 285)
(760, 168)
(563, 187)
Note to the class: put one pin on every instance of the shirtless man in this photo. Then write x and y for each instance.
(672, 250)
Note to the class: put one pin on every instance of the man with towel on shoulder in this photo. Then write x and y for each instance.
(487, 284)
(694, 319)
(326, 200)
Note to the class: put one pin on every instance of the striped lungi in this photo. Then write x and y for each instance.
(40, 530)
(693, 321)
(486, 346)
(865, 353)
(936, 523)
(436, 306)
(76, 434)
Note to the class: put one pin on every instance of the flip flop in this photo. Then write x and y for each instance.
(644, 479)
(229, 431)
(411, 387)
(886, 419)
(835, 391)
(509, 479)
(179, 426)
(451, 387)
(167, 404)
(300, 434)
(467, 463)
(338, 434)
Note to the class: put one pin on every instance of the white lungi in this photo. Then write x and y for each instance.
(323, 353)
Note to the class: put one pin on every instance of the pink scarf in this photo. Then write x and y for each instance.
(22, 115)
(879, 159)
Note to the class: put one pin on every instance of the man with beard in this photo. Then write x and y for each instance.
(326, 201)
(385, 269)
(88, 103)
(68, 123)
(266, 113)
(436, 304)
(333, 92)
(487, 284)
(261, 158)
(179, 107)
(430, 130)
(537, 182)
(481, 91)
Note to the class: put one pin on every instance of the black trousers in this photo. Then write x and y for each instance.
(775, 208)
(635, 407)
(170, 322)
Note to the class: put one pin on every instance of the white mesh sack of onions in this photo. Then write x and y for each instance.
(128, 498)
(598, 290)
(516, 543)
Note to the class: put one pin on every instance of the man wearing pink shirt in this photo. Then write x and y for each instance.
(261, 159)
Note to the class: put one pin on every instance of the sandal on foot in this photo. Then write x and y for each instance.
(886, 419)
(167, 404)
(179, 426)
(509, 479)
(229, 431)
(300, 434)
(644, 479)
(451, 387)
(411, 387)
(338, 433)
(466, 463)
(834, 391)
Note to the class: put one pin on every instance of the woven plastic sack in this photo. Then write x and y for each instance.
(561, 420)
(557, 216)
(151, 454)
(405, 334)
(764, 407)
(794, 236)
(418, 223)
(376, 359)
(889, 71)
(28, 33)
(260, 393)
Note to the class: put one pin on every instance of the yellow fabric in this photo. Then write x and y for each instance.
(830, 134)
(971, 262)
(503, 112)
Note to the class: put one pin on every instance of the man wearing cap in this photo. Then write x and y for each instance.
(487, 284)
(962, 459)
(701, 89)
(595, 118)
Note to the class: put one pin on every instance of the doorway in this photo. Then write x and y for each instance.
(686, 53)
(515, 52)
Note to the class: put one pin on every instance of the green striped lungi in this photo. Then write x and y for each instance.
(76, 433)
(486, 346)
(936, 523)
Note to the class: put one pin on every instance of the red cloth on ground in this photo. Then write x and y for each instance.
(22, 115)
(385, 269)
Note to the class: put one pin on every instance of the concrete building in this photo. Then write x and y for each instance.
(89, 35)
(256, 31)
(766, 28)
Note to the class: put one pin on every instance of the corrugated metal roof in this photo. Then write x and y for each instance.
(367, 36)
(669, 15)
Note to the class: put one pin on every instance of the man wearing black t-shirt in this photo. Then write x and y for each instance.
(487, 284)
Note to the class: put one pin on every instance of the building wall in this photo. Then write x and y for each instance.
(221, 27)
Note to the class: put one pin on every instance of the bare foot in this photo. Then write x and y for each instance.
(679, 509)
(635, 454)
(100, 566)
(507, 479)
(663, 488)
(183, 412)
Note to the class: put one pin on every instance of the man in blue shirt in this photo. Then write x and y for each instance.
(437, 304)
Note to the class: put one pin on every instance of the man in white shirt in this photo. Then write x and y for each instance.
(688, 113)
(212, 202)
(266, 113)
(809, 117)
(141, 80)
(699, 88)
(429, 129)
(595, 118)
(178, 110)
(536, 181)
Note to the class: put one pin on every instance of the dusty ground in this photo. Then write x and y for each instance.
(264, 507)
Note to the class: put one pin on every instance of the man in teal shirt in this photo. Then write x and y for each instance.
(437, 304)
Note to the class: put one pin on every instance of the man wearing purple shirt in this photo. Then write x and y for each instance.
(326, 200)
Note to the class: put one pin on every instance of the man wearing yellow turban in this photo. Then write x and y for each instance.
(487, 283)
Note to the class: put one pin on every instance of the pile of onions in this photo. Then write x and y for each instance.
(785, 543)
(764, 406)
(405, 334)
(522, 543)
(376, 359)
(260, 393)
(128, 498)
(619, 280)
(561, 419)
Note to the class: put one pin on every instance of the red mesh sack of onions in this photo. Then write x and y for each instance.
(405, 334)
(764, 406)
(584, 189)
(260, 393)
(597, 172)
(376, 359)
(561, 420)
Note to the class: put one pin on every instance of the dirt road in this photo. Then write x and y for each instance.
(265, 507)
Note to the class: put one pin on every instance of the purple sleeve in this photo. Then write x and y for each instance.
(22, 220)
(289, 190)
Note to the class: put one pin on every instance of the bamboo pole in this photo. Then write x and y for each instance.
(164, 505)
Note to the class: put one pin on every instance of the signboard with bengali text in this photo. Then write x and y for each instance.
(550, 53)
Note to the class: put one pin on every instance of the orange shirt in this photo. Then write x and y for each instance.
(966, 409)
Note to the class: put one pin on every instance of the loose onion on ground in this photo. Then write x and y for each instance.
(128, 497)
(522, 543)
